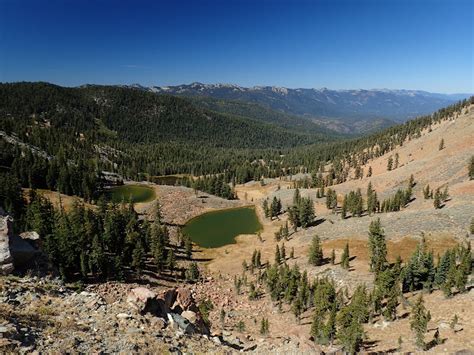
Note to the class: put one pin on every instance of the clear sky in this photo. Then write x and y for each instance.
(339, 44)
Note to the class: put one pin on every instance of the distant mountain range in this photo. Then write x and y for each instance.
(348, 111)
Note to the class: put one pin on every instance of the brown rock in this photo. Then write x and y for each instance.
(184, 298)
(143, 300)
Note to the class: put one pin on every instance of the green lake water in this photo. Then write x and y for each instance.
(134, 193)
(218, 228)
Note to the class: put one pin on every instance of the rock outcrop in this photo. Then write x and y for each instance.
(15, 250)
(6, 259)
(177, 306)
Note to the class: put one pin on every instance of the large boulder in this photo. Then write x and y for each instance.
(143, 300)
(184, 299)
(179, 322)
(22, 251)
(6, 259)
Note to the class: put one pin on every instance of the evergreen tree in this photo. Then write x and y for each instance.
(192, 273)
(283, 252)
(344, 207)
(426, 192)
(349, 332)
(293, 217)
(264, 326)
(277, 255)
(371, 199)
(137, 258)
(296, 197)
(377, 247)
(390, 163)
(445, 194)
(275, 207)
(316, 252)
(266, 209)
(171, 260)
(345, 257)
(437, 199)
(471, 168)
(419, 322)
(441, 144)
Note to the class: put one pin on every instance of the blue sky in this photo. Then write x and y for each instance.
(339, 44)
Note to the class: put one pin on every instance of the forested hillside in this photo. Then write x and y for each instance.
(262, 114)
(132, 132)
(63, 138)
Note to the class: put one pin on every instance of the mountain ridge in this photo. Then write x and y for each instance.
(347, 107)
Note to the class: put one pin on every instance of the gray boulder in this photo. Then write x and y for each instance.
(6, 259)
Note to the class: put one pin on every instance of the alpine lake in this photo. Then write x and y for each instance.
(218, 228)
(133, 193)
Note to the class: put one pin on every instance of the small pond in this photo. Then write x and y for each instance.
(166, 179)
(134, 193)
(218, 228)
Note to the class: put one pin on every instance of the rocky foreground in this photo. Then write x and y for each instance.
(43, 315)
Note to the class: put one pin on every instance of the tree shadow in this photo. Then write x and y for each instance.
(317, 222)
(404, 315)
(434, 342)
(370, 344)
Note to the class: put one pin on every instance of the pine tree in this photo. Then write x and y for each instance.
(315, 252)
(171, 260)
(369, 173)
(377, 247)
(333, 257)
(371, 199)
(437, 199)
(252, 292)
(345, 257)
(426, 192)
(390, 163)
(192, 273)
(441, 144)
(445, 194)
(188, 247)
(419, 322)
(264, 326)
(275, 207)
(277, 255)
(283, 252)
(344, 207)
(471, 168)
(296, 197)
(137, 257)
(293, 217)
(266, 209)
(350, 332)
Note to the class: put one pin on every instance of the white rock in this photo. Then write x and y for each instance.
(123, 316)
